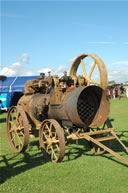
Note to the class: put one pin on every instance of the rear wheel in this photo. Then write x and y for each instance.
(17, 129)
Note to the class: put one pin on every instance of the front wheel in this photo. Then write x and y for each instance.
(52, 141)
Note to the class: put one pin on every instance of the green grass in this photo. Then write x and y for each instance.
(81, 171)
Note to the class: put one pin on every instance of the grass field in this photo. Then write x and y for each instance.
(81, 171)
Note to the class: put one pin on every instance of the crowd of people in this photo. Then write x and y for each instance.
(113, 93)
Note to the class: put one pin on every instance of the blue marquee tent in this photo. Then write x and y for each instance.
(12, 86)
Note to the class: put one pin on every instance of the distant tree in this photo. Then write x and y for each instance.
(112, 82)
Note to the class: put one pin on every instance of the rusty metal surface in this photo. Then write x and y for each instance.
(108, 137)
(36, 107)
(93, 137)
(83, 106)
(107, 149)
(56, 96)
(102, 112)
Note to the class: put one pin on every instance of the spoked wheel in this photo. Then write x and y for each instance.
(108, 143)
(52, 140)
(17, 129)
(97, 62)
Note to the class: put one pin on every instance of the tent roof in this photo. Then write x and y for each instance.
(15, 84)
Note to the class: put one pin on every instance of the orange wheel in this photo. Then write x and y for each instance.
(52, 141)
(17, 129)
(97, 63)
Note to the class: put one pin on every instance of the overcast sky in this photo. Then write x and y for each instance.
(42, 35)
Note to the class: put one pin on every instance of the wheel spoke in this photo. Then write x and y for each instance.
(19, 138)
(14, 136)
(50, 130)
(57, 147)
(53, 153)
(11, 130)
(18, 122)
(84, 70)
(10, 117)
(91, 71)
(16, 115)
(55, 136)
(13, 115)
(47, 148)
(50, 127)
(20, 145)
(22, 128)
(11, 122)
(47, 126)
(44, 134)
(22, 133)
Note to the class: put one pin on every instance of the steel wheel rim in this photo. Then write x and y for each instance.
(101, 67)
(52, 141)
(17, 129)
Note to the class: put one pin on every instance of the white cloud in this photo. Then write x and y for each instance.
(120, 75)
(124, 62)
(59, 71)
(100, 42)
(44, 70)
(13, 70)
(25, 59)
(118, 71)
(7, 71)
(19, 69)
(29, 73)
(16, 68)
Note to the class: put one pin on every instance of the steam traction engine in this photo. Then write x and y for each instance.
(59, 109)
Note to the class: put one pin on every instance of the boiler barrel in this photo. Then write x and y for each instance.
(83, 106)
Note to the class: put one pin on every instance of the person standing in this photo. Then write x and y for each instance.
(119, 93)
(126, 92)
(114, 93)
(109, 94)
